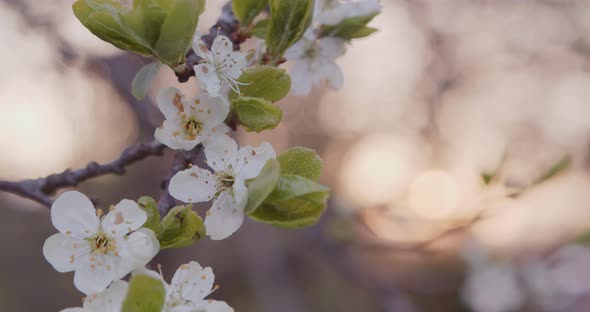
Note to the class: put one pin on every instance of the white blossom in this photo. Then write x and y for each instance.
(190, 122)
(221, 65)
(314, 62)
(110, 300)
(99, 250)
(226, 186)
(332, 12)
(190, 286)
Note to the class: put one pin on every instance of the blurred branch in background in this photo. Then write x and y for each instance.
(41, 189)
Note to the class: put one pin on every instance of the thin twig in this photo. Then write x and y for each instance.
(41, 189)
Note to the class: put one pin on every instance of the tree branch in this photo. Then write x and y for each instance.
(41, 189)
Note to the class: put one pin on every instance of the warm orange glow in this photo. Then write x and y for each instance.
(379, 167)
(434, 195)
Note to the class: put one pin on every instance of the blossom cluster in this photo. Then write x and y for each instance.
(316, 52)
(102, 249)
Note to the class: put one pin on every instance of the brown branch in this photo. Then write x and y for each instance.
(41, 189)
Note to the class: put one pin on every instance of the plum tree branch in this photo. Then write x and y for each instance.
(41, 189)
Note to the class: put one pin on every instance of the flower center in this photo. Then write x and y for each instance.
(102, 244)
(192, 127)
(226, 181)
(311, 52)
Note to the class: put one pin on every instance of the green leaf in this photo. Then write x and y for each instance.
(301, 161)
(260, 29)
(362, 32)
(351, 28)
(292, 186)
(101, 17)
(181, 227)
(177, 31)
(145, 294)
(265, 82)
(297, 213)
(295, 202)
(159, 28)
(557, 168)
(288, 21)
(247, 10)
(150, 207)
(143, 79)
(260, 187)
(256, 114)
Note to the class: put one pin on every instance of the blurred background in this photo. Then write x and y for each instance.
(447, 92)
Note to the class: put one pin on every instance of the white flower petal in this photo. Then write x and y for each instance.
(225, 216)
(222, 47)
(216, 306)
(110, 300)
(220, 152)
(331, 48)
(200, 48)
(249, 160)
(65, 253)
(170, 135)
(73, 214)
(297, 51)
(208, 79)
(193, 185)
(171, 102)
(194, 282)
(215, 134)
(211, 111)
(301, 78)
(185, 307)
(140, 247)
(125, 218)
(72, 310)
(234, 64)
(333, 74)
(91, 279)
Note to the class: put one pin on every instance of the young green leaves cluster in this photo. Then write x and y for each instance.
(145, 294)
(346, 19)
(286, 193)
(287, 22)
(162, 29)
(351, 28)
(180, 227)
(253, 107)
